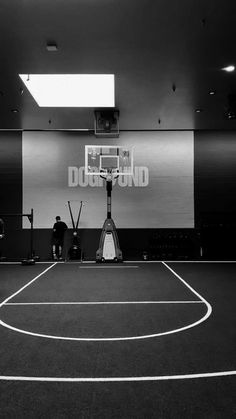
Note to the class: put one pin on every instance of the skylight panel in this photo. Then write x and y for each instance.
(71, 90)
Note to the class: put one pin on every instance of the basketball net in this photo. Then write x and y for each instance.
(110, 174)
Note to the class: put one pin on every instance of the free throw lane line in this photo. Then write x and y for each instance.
(188, 286)
(26, 285)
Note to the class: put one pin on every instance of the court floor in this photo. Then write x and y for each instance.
(131, 340)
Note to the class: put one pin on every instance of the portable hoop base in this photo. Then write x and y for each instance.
(109, 250)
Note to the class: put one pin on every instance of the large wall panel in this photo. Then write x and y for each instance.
(11, 175)
(215, 197)
(215, 175)
(159, 196)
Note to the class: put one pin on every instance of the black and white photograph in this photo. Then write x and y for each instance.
(117, 209)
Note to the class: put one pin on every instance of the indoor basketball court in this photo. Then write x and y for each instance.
(117, 210)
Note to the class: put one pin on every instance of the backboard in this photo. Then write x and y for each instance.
(104, 159)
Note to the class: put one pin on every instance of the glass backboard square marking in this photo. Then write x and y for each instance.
(109, 162)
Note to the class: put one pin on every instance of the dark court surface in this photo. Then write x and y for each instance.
(144, 326)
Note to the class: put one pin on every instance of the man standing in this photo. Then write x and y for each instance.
(59, 229)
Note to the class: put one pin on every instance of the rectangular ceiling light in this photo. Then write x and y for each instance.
(71, 90)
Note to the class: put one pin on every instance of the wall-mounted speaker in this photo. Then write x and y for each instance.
(106, 122)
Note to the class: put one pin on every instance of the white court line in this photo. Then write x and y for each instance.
(126, 379)
(179, 261)
(200, 261)
(119, 379)
(91, 339)
(188, 286)
(10, 263)
(25, 286)
(108, 267)
(105, 302)
(20, 264)
(114, 339)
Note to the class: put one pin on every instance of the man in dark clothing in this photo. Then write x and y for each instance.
(59, 229)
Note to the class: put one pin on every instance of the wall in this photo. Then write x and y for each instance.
(159, 195)
(11, 175)
(214, 202)
(215, 197)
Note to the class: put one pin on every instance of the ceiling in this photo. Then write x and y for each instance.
(166, 56)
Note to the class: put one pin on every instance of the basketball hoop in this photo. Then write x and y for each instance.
(109, 162)
(109, 174)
